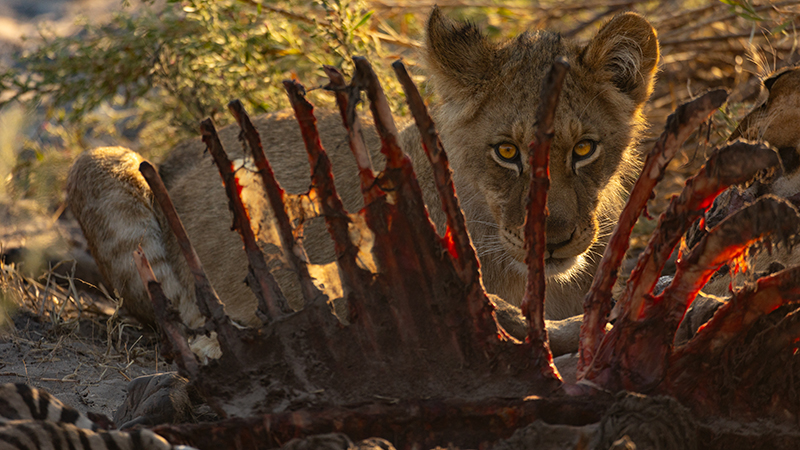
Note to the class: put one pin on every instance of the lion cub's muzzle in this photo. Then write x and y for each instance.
(561, 256)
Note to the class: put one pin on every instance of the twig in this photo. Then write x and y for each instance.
(594, 19)
(700, 40)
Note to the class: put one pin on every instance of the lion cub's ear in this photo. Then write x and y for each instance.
(459, 57)
(626, 49)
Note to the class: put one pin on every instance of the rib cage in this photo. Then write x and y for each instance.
(424, 361)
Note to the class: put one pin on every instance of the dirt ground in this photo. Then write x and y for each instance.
(72, 362)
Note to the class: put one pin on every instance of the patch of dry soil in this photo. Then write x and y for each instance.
(75, 361)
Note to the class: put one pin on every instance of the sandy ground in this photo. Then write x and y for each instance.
(73, 363)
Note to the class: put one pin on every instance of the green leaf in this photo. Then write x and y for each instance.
(363, 20)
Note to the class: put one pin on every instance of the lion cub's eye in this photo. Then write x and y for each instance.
(584, 149)
(507, 152)
(582, 152)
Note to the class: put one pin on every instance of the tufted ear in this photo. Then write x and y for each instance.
(459, 57)
(626, 48)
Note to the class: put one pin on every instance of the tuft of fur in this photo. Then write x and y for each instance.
(489, 94)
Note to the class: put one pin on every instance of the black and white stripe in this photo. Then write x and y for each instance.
(22, 402)
(31, 419)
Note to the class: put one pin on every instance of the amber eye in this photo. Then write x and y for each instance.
(583, 149)
(507, 152)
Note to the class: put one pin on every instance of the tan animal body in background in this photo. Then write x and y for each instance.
(775, 120)
(486, 117)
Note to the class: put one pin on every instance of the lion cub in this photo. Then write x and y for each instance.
(488, 95)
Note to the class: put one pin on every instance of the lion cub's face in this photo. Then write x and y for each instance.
(490, 93)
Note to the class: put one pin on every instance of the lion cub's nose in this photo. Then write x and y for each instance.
(553, 246)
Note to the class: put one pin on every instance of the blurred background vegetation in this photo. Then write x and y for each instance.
(146, 76)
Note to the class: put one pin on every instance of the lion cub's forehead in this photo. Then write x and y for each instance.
(522, 65)
(526, 59)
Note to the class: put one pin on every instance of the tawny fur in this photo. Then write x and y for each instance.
(776, 120)
(488, 95)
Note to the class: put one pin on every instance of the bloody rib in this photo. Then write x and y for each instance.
(733, 164)
(633, 355)
(703, 371)
(597, 303)
(355, 279)
(535, 242)
(171, 332)
(271, 302)
(207, 300)
(306, 347)
(347, 98)
(410, 322)
(294, 253)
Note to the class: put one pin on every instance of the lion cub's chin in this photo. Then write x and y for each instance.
(555, 269)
